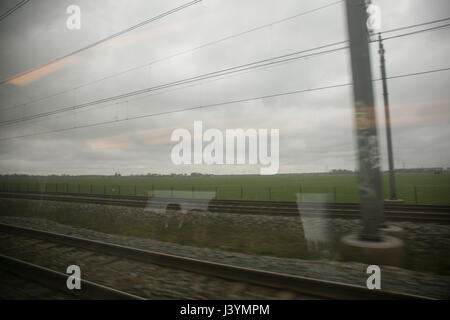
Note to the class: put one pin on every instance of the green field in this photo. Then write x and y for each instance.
(413, 188)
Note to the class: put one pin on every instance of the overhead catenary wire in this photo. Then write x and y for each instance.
(226, 71)
(115, 35)
(181, 110)
(415, 25)
(204, 45)
(231, 37)
(198, 78)
(256, 64)
(416, 73)
(416, 32)
(221, 40)
(13, 9)
(212, 105)
(177, 88)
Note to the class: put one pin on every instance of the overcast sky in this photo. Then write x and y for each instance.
(316, 128)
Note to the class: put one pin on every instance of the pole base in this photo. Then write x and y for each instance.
(394, 201)
(393, 230)
(388, 251)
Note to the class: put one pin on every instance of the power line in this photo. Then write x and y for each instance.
(234, 36)
(416, 32)
(181, 87)
(215, 42)
(183, 52)
(160, 16)
(240, 68)
(224, 71)
(415, 25)
(416, 73)
(183, 110)
(256, 64)
(217, 104)
(206, 76)
(11, 11)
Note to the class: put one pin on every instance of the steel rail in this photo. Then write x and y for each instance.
(439, 214)
(303, 285)
(419, 207)
(57, 281)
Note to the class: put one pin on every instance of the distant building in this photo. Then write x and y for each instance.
(435, 170)
(341, 171)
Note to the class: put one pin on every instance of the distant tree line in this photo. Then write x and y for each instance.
(435, 170)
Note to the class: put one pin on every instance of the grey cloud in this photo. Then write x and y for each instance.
(316, 128)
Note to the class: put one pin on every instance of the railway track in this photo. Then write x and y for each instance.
(55, 280)
(266, 284)
(393, 212)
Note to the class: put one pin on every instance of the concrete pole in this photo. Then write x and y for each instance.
(387, 117)
(369, 178)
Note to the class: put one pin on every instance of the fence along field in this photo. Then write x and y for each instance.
(411, 187)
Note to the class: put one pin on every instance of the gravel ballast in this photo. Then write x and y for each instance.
(392, 278)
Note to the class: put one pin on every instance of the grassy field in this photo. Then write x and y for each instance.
(413, 188)
(261, 239)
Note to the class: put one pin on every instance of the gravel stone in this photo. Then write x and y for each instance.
(393, 278)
